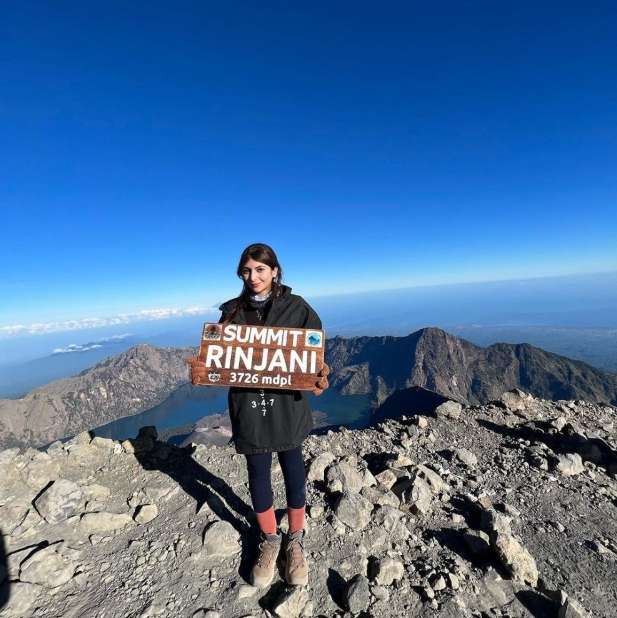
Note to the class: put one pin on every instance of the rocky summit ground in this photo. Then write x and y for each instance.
(505, 509)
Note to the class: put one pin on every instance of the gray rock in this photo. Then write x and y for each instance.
(435, 482)
(343, 477)
(517, 560)
(466, 456)
(387, 478)
(495, 522)
(416, 493)
(572, 609)
(91, 523)
(569, 464)
(353, 510)
(492, 592)
(438, 583)
(388, 571)
(380, 592)
(23, 596)
(387, 517)
(12, 516)
(59, 501)
(516, 399)
(47, 568)
(422, 422)
(104, 443)
(221, 539)
(293, 602)
(368, 480)
(357, 594)
(449, 409)
(315, 511)
(381, 496)
(8, 455)
(95, 492)
(146, 513)
(318, 466)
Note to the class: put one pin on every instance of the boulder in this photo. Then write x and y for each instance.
(449, 409)
(318, 466)
(146, 513)
(59, 501)
(357, 594)
(466, 457)
(388, 571)
(516, 400)
(47, 568)
(293, 602)
(220, 540)
(21, 599)
(569, 464)
(104, 522)
(515, 558)
(343, 477)
(353, 510)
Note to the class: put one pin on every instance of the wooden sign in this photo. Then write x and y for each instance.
(261, 356)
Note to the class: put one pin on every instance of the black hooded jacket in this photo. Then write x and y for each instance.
(268, 420)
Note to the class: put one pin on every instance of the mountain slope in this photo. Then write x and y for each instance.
(128, 383)
(497, 513)
(456, 368)
(432, 359)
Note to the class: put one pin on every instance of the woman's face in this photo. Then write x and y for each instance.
(258, 276)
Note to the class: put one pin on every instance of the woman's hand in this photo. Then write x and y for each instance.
(322, 384)
(197, 370)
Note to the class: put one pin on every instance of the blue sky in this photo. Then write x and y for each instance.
(372, 145)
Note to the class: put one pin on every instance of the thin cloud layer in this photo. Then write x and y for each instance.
(91, 345)
(146, 315)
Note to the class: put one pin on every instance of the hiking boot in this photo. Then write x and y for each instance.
(263, 569)
(296, 567)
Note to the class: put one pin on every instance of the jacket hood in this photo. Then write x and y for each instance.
(228, 305)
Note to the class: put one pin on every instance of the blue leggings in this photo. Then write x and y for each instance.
(260, 485)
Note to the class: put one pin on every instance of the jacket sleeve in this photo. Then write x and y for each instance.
(311, 319)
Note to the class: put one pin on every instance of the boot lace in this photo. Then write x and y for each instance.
(295, 550)
(267, 551)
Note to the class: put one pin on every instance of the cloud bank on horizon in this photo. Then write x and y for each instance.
(91, 345)
(145, 315)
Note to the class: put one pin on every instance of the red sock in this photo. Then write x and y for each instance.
(267, 521)
(295, 518)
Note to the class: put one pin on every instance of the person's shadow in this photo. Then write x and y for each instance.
(203, 486)
(5, 586)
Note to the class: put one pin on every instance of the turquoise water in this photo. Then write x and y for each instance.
(188, 404)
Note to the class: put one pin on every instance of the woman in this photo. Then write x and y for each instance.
(264, 421)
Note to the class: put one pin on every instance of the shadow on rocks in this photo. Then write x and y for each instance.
(275, 592)
(5, 586)
(537, 604)
(336, 587)
(198, 482)
(568, 440)
(480, 557)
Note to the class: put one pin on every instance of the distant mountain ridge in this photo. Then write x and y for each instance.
(455, 368)
(143, 376)
(122, 385)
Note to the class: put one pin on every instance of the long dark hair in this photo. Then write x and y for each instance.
(265, 254)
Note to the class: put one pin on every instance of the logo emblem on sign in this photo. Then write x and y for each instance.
(212, 332)
(214, 377)
(313, 339)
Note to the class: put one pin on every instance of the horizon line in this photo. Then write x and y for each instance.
(10, 331)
